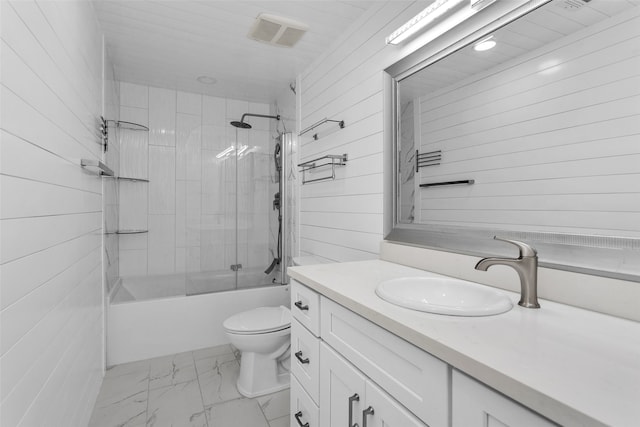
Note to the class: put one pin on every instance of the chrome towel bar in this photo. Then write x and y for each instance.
(436, 184)
(333, 160)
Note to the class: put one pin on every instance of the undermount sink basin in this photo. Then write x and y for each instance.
(444, 295)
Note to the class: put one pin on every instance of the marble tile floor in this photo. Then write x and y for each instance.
(192, 389)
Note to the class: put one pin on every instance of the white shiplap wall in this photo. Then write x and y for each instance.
(550, 138)
(51, 214)
(342, 219)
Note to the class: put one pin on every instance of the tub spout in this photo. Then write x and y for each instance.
(526, 265)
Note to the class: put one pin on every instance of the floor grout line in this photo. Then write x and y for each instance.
(146, 411)
(195, 368)
(110, 422)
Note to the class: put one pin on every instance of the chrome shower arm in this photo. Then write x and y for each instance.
(277, 117)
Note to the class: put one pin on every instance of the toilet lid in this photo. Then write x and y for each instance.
(259, 320)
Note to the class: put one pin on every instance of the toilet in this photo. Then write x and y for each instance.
(263, 335)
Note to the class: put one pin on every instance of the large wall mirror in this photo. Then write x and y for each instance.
(533, 135)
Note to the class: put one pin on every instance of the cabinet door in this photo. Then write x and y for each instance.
(384, 411)
(407, 373)
(303, 410)
(476, 405)
(342, 390)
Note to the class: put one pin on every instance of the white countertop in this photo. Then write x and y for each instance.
(576, 367)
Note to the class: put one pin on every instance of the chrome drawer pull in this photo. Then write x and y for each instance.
(299, 357)
(298, 415)
(368, 411)
(300, 306)
(354, 398)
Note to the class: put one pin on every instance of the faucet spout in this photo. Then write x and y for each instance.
(526, 265)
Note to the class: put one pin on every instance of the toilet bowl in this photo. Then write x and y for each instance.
(263, 336)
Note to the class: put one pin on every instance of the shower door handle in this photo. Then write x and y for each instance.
(299, 357)
(298, 415)
(300, 306)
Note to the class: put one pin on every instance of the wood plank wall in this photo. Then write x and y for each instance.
(341, 219)
(51, 214)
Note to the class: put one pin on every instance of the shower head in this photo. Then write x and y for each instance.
(242, 125)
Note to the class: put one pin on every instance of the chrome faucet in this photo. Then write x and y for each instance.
(526, 265)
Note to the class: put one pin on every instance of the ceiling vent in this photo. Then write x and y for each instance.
(573, 4)
(276, 30)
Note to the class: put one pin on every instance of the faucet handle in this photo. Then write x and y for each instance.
(525, 249)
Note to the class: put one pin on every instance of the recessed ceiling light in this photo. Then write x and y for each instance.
(208, 80)
(485, 44)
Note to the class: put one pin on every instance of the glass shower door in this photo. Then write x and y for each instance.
(232, 211)
(257, 206)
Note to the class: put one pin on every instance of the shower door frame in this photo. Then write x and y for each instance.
(285, 140)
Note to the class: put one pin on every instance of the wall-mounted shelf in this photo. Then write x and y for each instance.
(328, 160)
(96, 167)
(437, 184)
(120, 124)
(127, 232)
(126, 178)
(321, 122)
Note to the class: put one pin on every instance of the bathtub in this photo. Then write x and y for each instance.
(155, 316)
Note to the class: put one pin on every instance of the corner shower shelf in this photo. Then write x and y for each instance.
(121, 124)
(333, 160)
(126, 178)
(96, 167)
(321, 122)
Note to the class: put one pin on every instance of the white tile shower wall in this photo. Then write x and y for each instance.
(51, 349)
(189, 204)
(346, 83)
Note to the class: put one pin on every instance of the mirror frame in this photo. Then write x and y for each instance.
(606, 256)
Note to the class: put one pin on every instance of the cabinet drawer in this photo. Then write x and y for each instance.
(410, 375)
(476, 405)
(305, 306)
(305, 359)
(303, 409)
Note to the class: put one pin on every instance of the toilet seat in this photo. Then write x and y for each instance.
(260, 320)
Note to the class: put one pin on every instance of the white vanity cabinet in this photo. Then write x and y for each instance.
(305, 356)
(348, 397)
(352, 356)
(346, 370)
(476, 405)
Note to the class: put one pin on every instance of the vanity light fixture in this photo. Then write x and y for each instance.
(421, 20)
(484, 44)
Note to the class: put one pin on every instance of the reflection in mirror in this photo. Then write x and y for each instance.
(533, 134)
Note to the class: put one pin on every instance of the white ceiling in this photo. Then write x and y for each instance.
(170, 43)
